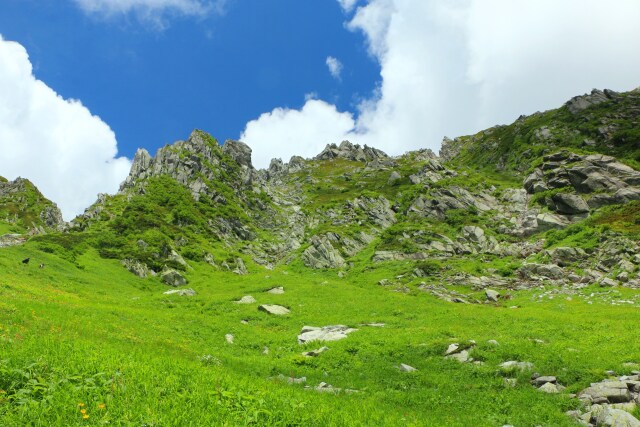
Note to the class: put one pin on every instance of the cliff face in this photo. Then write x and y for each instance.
(549, 197)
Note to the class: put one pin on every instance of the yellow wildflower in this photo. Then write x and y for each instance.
(81, 404)
(85, 417)
(101, 405)
(83, 411)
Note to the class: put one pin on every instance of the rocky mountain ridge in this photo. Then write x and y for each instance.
(515, 195)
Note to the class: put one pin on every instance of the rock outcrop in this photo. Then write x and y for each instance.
(349, 151)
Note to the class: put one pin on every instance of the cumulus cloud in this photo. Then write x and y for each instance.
(284, 132)
(153, 11)
(68, 153)
(453, 68)
(335, 67)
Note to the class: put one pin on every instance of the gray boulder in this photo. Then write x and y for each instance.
(407, 368)
(181, 292)
(611, 417)
(173, 278)
(569, 204)
(492, 295)
(137, 268)
(325, 333)
(607, 392)
(567, 255)
(532, 271)
(276, 310)
(513, 365)
(247, 299)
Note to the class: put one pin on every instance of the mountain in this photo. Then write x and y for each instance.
(438, 247)
(515, 195)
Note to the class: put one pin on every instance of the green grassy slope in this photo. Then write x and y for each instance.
(94, 334)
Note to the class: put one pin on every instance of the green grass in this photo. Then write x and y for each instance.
(92, 333)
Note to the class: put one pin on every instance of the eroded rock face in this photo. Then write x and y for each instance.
(322, 254)
(589, 181)
(238, 151)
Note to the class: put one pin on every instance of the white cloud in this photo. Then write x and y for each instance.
(284, 132)
(153, 11)
(335, 67)
(67, 152)
(452, 68)
(347, 5)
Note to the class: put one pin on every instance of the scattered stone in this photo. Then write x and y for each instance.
(316, 352)
(325, 333)
(229, 338)
(247, 299)
(492, 295)
(279, 290)
(493, 342)
(265, 350)
(181, 292)
(407, 368)
(274, 309)
(515, 365)
(462, 357)
(541, 380)
(549, 388)
(453, 348)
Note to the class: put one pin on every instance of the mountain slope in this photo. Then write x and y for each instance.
(518, 244)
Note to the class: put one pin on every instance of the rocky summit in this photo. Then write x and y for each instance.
(506, 264)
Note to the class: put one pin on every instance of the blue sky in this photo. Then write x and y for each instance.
(84, 83)
(153, 85)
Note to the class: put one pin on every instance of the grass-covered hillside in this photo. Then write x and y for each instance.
(494, 285)
(23, 207)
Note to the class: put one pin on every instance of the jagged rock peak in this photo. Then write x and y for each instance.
(179, 160)
(579, 103)
(238, 151)
(349, 151)
(450, 148)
